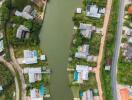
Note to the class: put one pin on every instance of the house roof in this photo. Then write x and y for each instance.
(129, 52)
(27, 9)
(87, 95)
(124, 94)
(1, 88)
(1, 35)
(21, 30)
(83, 70)
(83, 51)
(30, 57)
(1, 46)
(79, 10)
(86, 30)
(33, 94)
(34, 74)
(42, 57)
(26, 13)
(92, 11)
(130, 40)
(130, 10)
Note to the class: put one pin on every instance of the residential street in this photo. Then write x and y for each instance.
(101, 50)
(10, 67)
(117, 50)
(18, 68)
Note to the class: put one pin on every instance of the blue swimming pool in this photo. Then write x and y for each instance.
(75, 75)
(42, 90)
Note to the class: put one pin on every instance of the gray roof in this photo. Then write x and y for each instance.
(128, 52)
(92, 11)
(27, 9)
(86, 30)
(22, 29)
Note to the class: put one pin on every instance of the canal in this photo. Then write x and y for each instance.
(55, 36)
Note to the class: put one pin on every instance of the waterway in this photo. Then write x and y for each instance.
(55, 36)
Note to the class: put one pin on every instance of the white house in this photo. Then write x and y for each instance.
(130, 40)
(26, 13)
(1, 45)
(22, 32)
(87, 95)
(82, 72)
(94, 11)
(79, 10)
(34, 94)
(34, 74)
(1, 88)
(1, 35)
(83, 52)
(30, 57)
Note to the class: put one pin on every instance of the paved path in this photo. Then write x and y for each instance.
(117, 50)
(10, 67)
(18, 68)
(104, 31)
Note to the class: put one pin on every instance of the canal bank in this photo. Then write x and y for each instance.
(55, 36)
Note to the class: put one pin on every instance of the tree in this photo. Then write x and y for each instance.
(4, 16)
(28, 24)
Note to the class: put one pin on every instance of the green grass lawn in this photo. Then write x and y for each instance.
(75, 91)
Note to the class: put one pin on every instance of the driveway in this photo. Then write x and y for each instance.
(18, 68)
(10, 67)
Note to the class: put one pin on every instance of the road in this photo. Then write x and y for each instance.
(117, 50)
(10, 67)
(18, 68)
(101, 50)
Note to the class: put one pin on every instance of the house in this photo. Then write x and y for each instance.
(128, 32)
(102, 10)
(79, 10)
(30, 57)
(1, 45)
(107, 67)
(130, 40)
(82, 72)
(39, 3)
(108, 64)
(83, 52)
(26, 13)
(124, 94)
(33, 73)
(86, 30)
(42, 57)
(93, 11)
(34, 94)
(1, 2)
(92, 58)
(22, 32)
(130, 10)
(87, 95)
(128, 52)
(1, 88)
(1, 35)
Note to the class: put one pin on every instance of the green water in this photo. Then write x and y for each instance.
(56, 35)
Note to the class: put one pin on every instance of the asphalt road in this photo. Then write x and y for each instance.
(117, 50)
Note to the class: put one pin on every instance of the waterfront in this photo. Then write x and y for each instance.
(55, 36)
